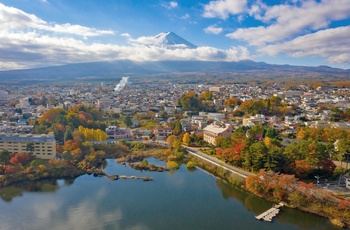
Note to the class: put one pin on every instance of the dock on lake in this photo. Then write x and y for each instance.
(269, 214)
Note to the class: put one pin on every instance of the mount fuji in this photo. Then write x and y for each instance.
(170, 40)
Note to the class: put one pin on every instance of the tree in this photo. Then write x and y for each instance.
(206, 95)
(127, 120)
(271, 133)
(177, 127)
(302, 169)
(4, 156)
(20, 158)
(186, 139)
(30, 147)
(68, 135)
(268, 104)
(232, 102)
(258, 151)
(190, 101)
(275, 101)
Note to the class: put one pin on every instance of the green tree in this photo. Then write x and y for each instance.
(68, 134)
(127, 120)
(190, 101)
(271, 132)
(4, 156)
(30, 147)
(177, 127)
(258, 151)
(268, 104)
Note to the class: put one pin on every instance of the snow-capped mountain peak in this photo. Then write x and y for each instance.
(171, 40)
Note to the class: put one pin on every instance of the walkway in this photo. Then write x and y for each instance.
(218, 162)
(269, 214)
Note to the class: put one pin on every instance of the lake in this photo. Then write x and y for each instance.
(182, 199)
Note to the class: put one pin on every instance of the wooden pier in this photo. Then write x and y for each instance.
(269, 214)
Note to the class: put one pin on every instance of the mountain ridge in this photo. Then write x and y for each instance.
(130, 68)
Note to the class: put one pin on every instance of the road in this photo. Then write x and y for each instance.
(218, 162)
(210, 159)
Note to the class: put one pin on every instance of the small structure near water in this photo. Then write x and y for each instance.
(116, 177)
(269, 214)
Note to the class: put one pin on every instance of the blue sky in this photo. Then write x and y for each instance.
(35, 33)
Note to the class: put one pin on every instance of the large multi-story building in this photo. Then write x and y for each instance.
(44, 145)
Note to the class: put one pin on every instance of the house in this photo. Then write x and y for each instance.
(162, 133)
(116, 133)
(347, 182)
(257, 119)
(211, 132)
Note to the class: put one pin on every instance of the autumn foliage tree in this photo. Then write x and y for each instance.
(20, 158)
(186, 139)
(92, 134)
(232, 102)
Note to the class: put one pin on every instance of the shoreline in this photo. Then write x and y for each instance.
(73, 171)
(239, 182)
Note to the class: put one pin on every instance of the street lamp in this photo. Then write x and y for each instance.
(317, 179)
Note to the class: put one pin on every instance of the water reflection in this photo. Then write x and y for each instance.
(181, 200)
(257, 205)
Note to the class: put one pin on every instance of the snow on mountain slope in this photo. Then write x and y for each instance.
(171, 40)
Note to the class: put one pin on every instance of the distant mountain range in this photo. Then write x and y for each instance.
(131, 68)
(167, 40)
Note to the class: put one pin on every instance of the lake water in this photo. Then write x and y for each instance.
(179, 199)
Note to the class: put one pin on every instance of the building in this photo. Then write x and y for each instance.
(257, 119)
(162, 133)
(44, 145)
(211, 132)
(347, 182)
(216, 116)
(216, 89)
(116, 133)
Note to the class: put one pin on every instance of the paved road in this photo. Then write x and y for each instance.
(210, 159)
(218, 162)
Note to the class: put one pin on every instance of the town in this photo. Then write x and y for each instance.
(303, 131)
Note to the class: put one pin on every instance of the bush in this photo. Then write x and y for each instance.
(172, 164)
(190, 164)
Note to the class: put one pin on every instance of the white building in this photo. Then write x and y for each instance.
(211, 132)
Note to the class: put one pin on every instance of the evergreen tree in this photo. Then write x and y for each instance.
(68, 135)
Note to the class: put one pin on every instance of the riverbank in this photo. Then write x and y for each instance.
(91, 163)
(293, 194)
(337, 212)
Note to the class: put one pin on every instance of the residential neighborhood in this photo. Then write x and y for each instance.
(21, 106)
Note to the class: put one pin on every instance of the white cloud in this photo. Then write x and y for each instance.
(213, 30)
(126, 35)
(332, 44)
(223, 8)
(13, 19)
(186, 16)
(32, 49)
(170, 5)
(286, 21)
